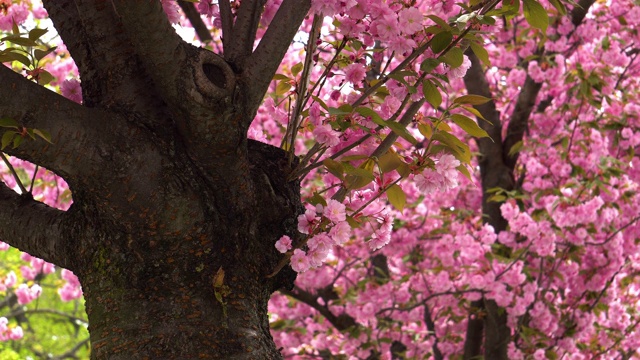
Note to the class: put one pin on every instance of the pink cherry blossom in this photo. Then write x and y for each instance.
(355, 73)
(283, 244)
(71, 90)
(460, 71)
(325, 135)
(410, 20)
(27, 294)
(306, 221)
(428, 181)
(340, 233)
(172, 10)
(299, 261)
(335, 211)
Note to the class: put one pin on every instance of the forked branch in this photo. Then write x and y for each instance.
(72, 126)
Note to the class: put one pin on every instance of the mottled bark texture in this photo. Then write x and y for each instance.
(175, 212)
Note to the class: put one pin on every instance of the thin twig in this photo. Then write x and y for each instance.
(14, 173)
(33, 179)
(193, 15)
(303, 83)
(226, 18)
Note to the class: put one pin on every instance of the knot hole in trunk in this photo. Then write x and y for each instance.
(215, 75)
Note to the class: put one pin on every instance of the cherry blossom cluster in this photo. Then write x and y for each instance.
(565, 272)
(8, 332)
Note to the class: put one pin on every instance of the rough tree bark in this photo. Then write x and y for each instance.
(175, 212)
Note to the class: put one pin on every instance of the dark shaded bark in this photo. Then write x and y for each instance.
(175, 211)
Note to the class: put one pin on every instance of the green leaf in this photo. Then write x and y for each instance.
(444, 127)
(497, 198)
(317, 199)
(320, 102)
(468, 125)
(443, 24)
(280, 77)
(401, 75)
(453, 57)
(464, 171)
(460, 150)
(404, 170)
(441, 41)
(7, 138)
(14, 39)
(295, 69)
(36, 33)
(370, 113)
(429, 64)
(17, 141)
(14, 56)
(481, 53)
(515, 148)
(389, 162)
(8, 123)
(536, 15)
(431, 93)
(471, 99)
(45, 77)
(39, 54)
(344, 109)
(44, 134)
(559, 6)
(359, 177)
(334, 167)
(14, 29)
(282, 88)
(425, 130)
(218, 296)
(401, 131)
(474, 111)
(396, 196)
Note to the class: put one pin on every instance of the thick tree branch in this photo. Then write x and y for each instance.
(341, 322)
(226, 17)
(196, 21)
(494, 173)
(244, 31)
(431, 326)
(76, 131)
(156, 43)
(66, 18)
(197, 85)
(33, 227)
(107, 61)
(579, 12)
(519, 123)
(474, 334)
(263, 63)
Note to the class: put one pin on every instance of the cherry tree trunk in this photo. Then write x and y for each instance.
(175, 212)
(186, 277)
